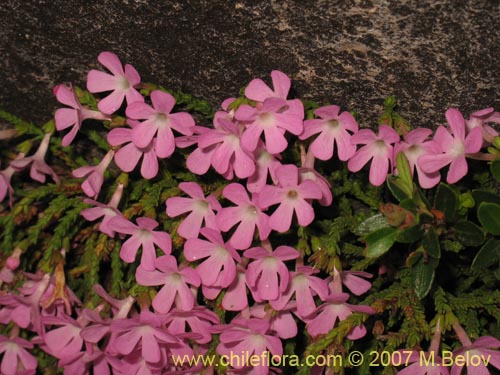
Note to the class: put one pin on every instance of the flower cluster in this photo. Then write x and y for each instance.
(222, 253)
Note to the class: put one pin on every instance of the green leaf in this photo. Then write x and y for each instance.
(485, 196)
(404, 173)
(372, 224)
(487, 256)
(380, 241)
(410, 235)
(469, 233)
(422, 276)
(446, 200)
(489, 217)
(398, 188)
(495, 169)
(430, 242)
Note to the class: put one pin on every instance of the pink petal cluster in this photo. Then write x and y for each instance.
(121, 82)
(454, 147)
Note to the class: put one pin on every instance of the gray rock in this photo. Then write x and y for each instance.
(431, 54)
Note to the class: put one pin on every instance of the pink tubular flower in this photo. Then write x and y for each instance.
(272, 119)
(414, 145)
(73, 116)
(480, 118)
(247, 213)
(379, 148)
(39, 167)
(220, 265)
(65, 340)
(174, 284)
(199, 319)
(249, 336)
(455, 147)
(266, 164)
(107, 211)
(142, 235)
(307, 172)
(144, 332)
(291, 196)
(159, 121)
(127, 157)
(5, 186)
(92, 185)
(334, 128)
(223, 147)
(236, 298)
(200, 209)
(268, 276)
(481, 348)
(335, 308)
(282, 322)
(16, 359)
(355, 281)
(305, 286)
(120, 82)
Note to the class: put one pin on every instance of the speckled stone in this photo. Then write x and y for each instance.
(431, 54)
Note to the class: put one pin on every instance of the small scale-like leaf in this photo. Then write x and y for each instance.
(468, 233)
(495, 169)
(446, 200)
(489, 217)
(380, 241)
(422, 276)
(430, 242)
(487, 256)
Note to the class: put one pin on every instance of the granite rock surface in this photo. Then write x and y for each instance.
(431, 54)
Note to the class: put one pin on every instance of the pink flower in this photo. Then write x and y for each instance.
(480, 118)
(144, 332)
(160, 122)
(272, 119)
(143, 236)
(199, 320)
(73, 116)
(221, 257)
(335, 308)
(304, 286)
(24, 309)
(39, 167)
(64, 341)
(454, 147)
(266, 164)
(16, 359)
(247, 213)
(108, 211)
(120, 82)
(174, 283)
(282, 322)
(127, 157)
(5, 186)
(257, 90)
(92, 185)
(291, 196)
(355, 281)
(236, 297)
(249, 336)
(480, 348)
(268, 276)
(200, 209)
(379, 148)
(223, 147)
(416, 144)
(307, 172)
(333, 128)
